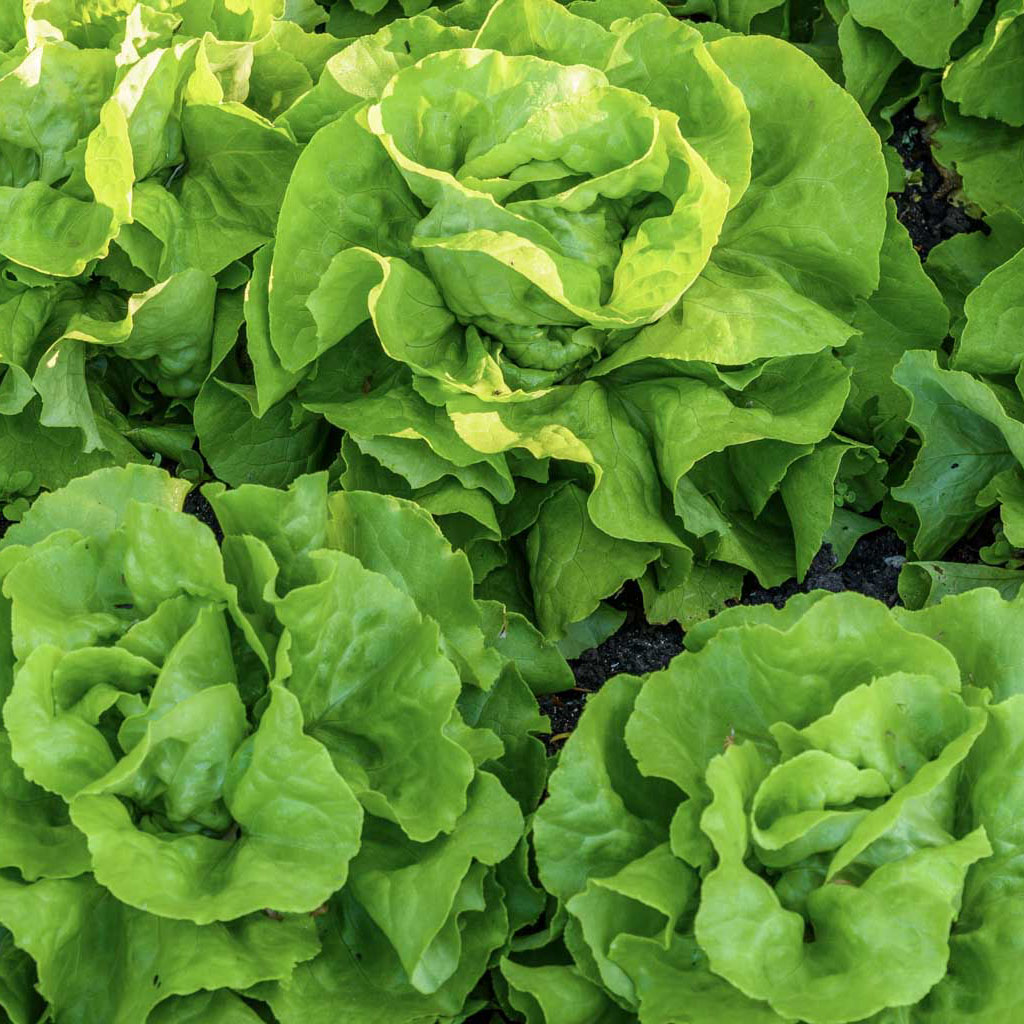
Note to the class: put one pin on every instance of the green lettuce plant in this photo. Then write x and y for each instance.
(139, 168)
(967, 413)
(968, 409)
(967, 45)
(959, 58)
(887, 55)
(295, 766)
(959, 406)
(811, 815)
(594, 335)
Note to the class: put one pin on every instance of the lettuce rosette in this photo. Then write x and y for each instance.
(573, 279)
(299, 761)
(139, 168)
(813, 815)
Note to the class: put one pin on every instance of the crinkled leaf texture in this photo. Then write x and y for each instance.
(810, 815)
(139, 169)
(969, 414)
(573, 279)
(213, 758)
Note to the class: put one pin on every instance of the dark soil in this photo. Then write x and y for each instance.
(637, 647)
(924, 207)
(196, 505)
(873, 568)
(968, 549)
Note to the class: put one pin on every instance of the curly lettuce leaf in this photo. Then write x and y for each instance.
(971, 431)
(124, 962)
(210, 742)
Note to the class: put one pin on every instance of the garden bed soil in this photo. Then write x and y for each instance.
(197, 505)
(924, 206)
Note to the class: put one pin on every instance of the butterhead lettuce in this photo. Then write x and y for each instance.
(573, 279)
(223, 762)
(812, 815)
(139, 169)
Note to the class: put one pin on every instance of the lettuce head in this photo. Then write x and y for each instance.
(573, 278)
(812, 815)
(299, 761)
